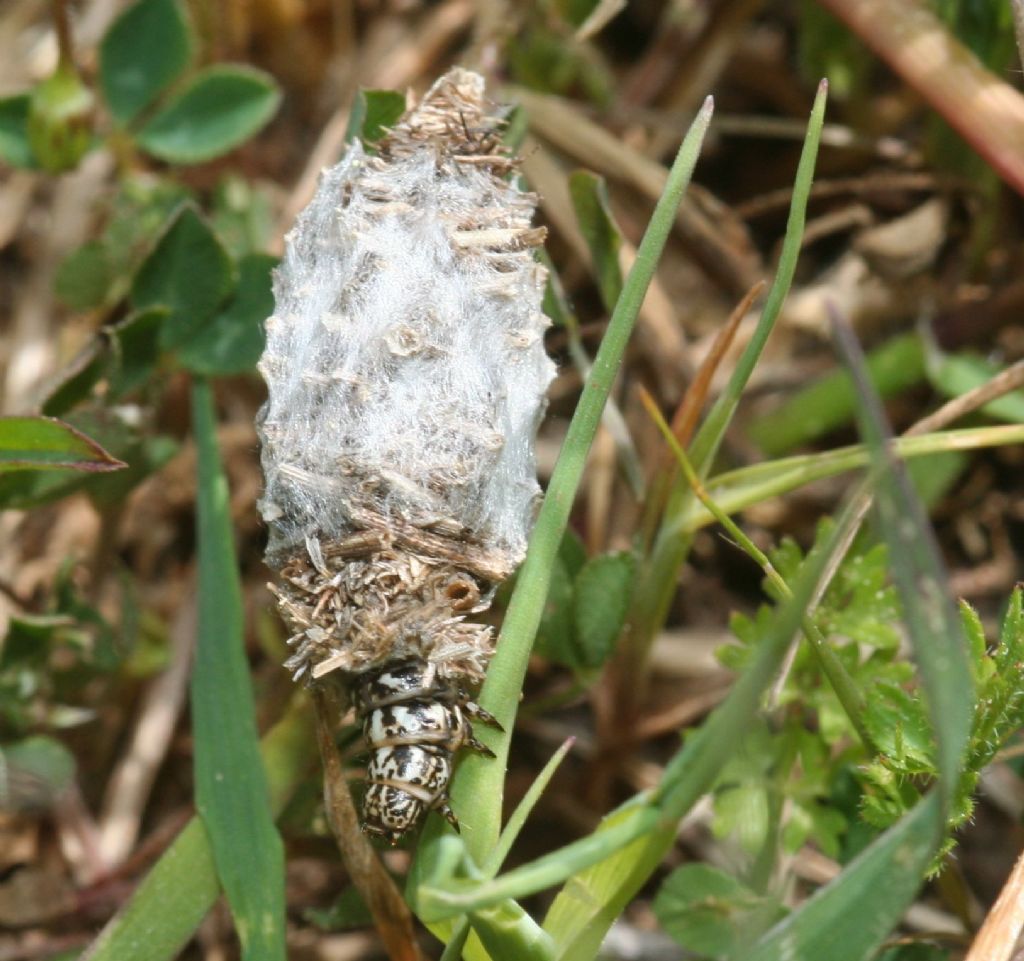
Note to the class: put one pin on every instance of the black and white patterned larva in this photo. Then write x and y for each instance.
(406, 376)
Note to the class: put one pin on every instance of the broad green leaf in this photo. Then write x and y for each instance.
(710, 912)
(145, 49)
(373, 112)
(233, 340)
(78, 378)
(45, 443)
(600, 603)
(221, 108)
(167, 907)
(24, 489)
(232, 794)
(84, 276)
(136, 343)
(589, 195)
(36, 771)
(848, 918)
(831, 402)
(189, 273)
(14, 145)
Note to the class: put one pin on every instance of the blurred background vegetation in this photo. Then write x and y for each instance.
(153, 155)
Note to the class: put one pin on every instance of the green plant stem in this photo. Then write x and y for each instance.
(62, 27)
(832, 667)
(478, 788)
(656, 579)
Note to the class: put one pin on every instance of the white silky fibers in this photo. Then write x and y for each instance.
(405, 360)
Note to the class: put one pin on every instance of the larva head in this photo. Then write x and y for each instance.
(405, 363)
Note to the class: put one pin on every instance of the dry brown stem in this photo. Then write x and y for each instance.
(390, 913)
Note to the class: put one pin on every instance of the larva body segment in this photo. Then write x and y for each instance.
(406, 377)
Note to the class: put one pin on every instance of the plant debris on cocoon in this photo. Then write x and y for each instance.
(406, 374)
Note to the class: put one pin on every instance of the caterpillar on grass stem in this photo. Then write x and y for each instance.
(406, 376)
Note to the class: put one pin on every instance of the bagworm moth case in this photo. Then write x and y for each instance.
(406, 374)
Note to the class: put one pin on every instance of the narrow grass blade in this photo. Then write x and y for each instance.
(831, 402)
(657, 579)
(478, 785)
(167, 907)
(929, 612)
(232, 794)
(618, 865)
(592, 899)
(713, 430)
(735, 490)
(849, 918)
(453, 948)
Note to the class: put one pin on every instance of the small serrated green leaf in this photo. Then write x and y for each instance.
(14, 146)
(145, 49)
(221, 108)
(45, 443)
(589, 195)
(373, 113)
(188, 272)
(601, 597)
(233, 340)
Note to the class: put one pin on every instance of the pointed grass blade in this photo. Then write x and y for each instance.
(167, 907)
(232, 794)
(920, 577)
(848, 918)
(657, 582)
(478, 786)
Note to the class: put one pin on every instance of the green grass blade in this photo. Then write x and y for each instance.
(847, 919)
(478, 785)
(657, 581)
(522, 811)
(735, 490)
(593, 899)
(453, 948)
(831, 402)
(919, 576)
(232, 794)
(167, 907)
(648, 820)
(713, 430)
